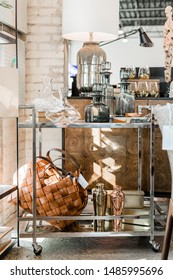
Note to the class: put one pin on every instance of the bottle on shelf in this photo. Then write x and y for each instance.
(74, 89)
(108, 88)
(125, 100)
(98, 111)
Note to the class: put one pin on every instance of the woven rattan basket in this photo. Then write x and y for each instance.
(58, 193)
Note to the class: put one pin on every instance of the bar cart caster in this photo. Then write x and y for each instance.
(155, 245)
(37, 248)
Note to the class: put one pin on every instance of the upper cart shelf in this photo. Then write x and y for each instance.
(83, 124)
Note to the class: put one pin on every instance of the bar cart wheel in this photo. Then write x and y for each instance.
(155, 245)
(37, 248)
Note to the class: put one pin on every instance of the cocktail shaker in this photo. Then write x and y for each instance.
(117, 199)
(99, 204)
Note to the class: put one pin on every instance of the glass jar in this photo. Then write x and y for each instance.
(125, 100)
(124, 74)
(108, 89)
(98, 111)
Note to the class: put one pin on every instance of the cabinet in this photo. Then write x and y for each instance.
(85, 220)
(80, 142)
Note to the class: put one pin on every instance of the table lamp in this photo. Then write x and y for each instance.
(90, 21)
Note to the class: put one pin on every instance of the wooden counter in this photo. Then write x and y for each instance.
(106, 154)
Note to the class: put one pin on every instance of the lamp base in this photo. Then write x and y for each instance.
(89, 60)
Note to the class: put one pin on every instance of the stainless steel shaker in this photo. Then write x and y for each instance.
(99, 204)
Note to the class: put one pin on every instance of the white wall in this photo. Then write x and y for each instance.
(126, 54)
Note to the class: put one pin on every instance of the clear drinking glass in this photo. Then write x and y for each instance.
(125, 101)
(98, 111)
(143, 89)
(153, 89)
(132, 72)
(144, 73)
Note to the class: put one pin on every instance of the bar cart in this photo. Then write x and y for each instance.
(85, 220)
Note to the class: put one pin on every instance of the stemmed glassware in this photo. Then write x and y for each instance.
(153, 89)
(143, 89)
(144, 72)
(132, 72)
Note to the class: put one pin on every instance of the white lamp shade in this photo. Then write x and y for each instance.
(82, 17)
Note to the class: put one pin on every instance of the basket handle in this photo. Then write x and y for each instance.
(66, 156)
(58, 169)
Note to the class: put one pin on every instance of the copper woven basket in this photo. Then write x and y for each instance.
(58, 192)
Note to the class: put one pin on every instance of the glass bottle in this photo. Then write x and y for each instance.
(98, 111)
(124, 74)
(117, 199)
(125, 101)
(108, 88)
(99, 204)
(74, 89)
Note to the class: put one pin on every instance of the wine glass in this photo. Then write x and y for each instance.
(144, 73)
(132, 72)
(153, 89)
(143, 88)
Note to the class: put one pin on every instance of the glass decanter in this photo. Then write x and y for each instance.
(98, 111)
(108, 88)
(125, 101)
(47, 101)
(66, 114)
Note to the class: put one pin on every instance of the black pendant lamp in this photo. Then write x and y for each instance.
(144, 39)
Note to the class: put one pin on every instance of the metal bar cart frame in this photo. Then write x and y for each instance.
(83, 217)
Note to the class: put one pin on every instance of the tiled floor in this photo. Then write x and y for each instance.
(118, 248)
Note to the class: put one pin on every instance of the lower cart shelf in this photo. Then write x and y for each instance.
(86, 231)
(135, 222)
